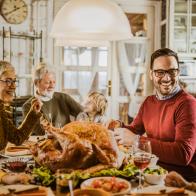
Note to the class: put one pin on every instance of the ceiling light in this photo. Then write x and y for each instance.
(91, 23)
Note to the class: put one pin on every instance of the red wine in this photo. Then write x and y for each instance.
(141, 162)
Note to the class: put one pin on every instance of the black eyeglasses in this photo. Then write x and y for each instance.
(160, 73)
(10, 82)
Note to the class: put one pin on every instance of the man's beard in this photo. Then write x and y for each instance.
(47, 96)
(164, 88)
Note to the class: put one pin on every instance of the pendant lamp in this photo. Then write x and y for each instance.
(90, 23)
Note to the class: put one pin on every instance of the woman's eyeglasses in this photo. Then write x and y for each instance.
(10, 82)
(160, 73)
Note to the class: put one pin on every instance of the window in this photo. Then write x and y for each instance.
(85, 70)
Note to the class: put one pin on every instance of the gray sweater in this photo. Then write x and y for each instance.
(57, 110)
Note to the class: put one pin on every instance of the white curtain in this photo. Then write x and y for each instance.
(85, 79)
(131, 62)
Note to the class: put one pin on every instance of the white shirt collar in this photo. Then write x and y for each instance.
(165, 97)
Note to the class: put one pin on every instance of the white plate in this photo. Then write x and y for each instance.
(18, 152)
(8, 154)
(157, 188)
(88, 183)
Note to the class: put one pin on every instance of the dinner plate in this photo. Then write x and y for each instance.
(12, 156)
(88, 184)
(17, 151)
(30, 190)
(25, 153)
(157, 188)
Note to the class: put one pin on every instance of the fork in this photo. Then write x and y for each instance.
(70, 187)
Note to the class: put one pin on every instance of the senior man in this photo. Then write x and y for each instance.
(168, 118)
(57, 107)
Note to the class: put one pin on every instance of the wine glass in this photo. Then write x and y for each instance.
(142, 157)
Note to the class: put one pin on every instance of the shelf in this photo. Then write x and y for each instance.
(183, 29)
(163, 22)
(23, 36)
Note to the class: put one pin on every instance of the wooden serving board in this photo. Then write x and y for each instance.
(42, 191)
(27, 190)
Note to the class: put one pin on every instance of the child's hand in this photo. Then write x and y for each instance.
(112, 124)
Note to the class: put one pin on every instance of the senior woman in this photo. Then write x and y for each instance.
(8, 132)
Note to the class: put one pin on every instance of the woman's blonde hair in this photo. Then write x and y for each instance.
(5, 66)
(100, 102)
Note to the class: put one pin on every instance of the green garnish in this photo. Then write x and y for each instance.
(158, 171)
(44, 174)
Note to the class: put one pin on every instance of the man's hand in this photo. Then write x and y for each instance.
(125, 136)
(36, 105)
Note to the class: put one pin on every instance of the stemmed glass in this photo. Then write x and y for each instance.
(142, 157)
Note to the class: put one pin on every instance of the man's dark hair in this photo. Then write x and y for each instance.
(163, 52)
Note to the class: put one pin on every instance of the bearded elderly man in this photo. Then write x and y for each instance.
(57, 107)
(168, 118)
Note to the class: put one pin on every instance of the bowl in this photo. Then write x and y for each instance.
(155, 175)
(154, 179)
(16, 165)
(90, 192)
(113, 185)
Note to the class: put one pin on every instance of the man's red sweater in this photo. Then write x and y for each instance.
(170, 125)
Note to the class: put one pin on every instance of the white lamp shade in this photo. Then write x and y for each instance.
(90, 21)
(81, 43)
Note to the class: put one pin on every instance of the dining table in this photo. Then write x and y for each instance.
(22, 152)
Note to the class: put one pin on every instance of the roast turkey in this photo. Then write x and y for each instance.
(78, 145)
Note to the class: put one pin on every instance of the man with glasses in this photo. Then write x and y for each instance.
(168, 118)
